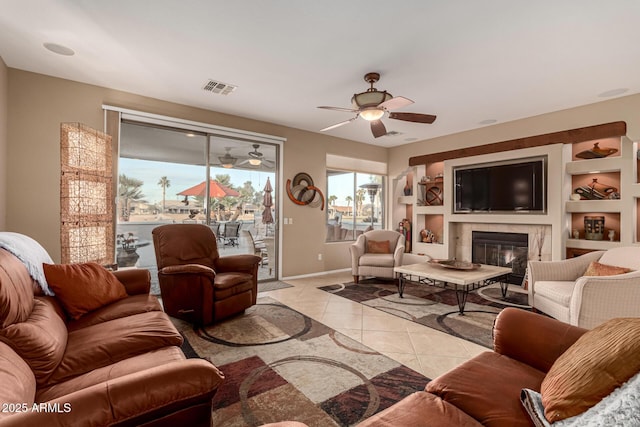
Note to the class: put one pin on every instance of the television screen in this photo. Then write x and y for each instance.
(501, 187)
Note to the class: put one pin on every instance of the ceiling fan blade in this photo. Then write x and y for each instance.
(413, 117)
(349, 110)
(339, 124)
(378, 129)
(395, 103)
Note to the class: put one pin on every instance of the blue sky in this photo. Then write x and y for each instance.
(183, 176)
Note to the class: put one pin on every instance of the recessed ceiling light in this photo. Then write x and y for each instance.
(487, 122)
(59, 49)
(613, 92)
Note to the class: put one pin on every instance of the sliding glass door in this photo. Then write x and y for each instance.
(169, 175)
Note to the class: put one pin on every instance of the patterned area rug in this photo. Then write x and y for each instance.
(281, 365)
(272, 285)
(436, 307)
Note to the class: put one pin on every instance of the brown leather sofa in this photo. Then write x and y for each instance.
(485, 391)
(197, 284)
(119, 365)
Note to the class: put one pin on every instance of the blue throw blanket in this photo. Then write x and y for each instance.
(31, 253)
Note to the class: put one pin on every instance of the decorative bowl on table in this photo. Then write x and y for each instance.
(455, 264)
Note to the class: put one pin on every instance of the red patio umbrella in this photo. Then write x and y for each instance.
(267, 201)
(215, 190)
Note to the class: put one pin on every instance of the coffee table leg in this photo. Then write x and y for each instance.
(400, 284)
(504, 287)
(461, 296)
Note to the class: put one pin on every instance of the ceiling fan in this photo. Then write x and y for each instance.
(256, 158)
(227, 161)
(372, 104)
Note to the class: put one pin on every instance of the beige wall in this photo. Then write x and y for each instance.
(4, 84)
(37, 105)
(621, 109)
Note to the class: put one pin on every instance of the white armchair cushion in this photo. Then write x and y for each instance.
(556, 290)
(377, 260)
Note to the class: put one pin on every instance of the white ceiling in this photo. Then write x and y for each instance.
(465, 61)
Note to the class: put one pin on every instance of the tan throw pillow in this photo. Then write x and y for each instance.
(82, 288)
(600, 361)
(378, 246)
(597, 269)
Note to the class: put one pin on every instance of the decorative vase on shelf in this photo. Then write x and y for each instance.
(407, 189)
(612, 235)
(593, 227)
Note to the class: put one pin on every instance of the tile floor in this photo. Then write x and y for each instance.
(422, 349)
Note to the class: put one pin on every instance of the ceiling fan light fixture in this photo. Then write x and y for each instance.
(371, 114)
(255, 162)
(370, 98)
(227, 161)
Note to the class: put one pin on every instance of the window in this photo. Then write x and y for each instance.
(355, 204)
(173, 175)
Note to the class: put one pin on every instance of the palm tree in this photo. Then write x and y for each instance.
(349, 199)
(332, 200)
(128, 190)
(164, 183)
(359, 200)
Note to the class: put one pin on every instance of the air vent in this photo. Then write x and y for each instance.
(219, 87)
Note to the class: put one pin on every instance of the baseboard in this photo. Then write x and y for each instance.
(319, 273)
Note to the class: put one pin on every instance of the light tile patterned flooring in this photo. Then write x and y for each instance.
(422, 349)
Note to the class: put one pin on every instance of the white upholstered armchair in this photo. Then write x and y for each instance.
(561, 290)
(376, 253)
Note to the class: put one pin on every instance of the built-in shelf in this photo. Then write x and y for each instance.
(602, 245)
(585, 206)
(429, 210)
(405, 200)
(606, 164)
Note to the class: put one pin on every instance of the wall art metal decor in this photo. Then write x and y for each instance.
(301, 191)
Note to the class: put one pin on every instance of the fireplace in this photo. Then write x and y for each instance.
(502, 249)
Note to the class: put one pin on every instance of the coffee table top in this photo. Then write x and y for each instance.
(458, 277)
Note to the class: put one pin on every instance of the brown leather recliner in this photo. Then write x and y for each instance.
(197, 284)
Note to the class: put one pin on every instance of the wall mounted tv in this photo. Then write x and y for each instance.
(515, 186)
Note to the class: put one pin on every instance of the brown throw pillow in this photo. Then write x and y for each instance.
(378, 246)
(597, 269)
(600, 361)
(82, 288)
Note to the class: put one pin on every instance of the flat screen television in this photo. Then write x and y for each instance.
(503, 187)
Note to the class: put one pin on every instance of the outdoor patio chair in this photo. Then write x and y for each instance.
(259, 248)
(215, 227)
(231, 233)
(196, 283)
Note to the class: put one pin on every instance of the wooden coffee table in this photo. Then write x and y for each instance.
(461, 281)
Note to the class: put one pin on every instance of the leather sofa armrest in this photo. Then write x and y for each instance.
(188, 269)
(161, 393)
(532, 338)
(242, 263)
(136, 280)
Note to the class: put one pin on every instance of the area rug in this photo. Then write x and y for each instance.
(272, 285)
(281, 365)
(434, 307)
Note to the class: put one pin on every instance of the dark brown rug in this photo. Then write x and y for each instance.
(281, 365)
(434, 307)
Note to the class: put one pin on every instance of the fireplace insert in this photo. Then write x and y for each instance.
(502, 249)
